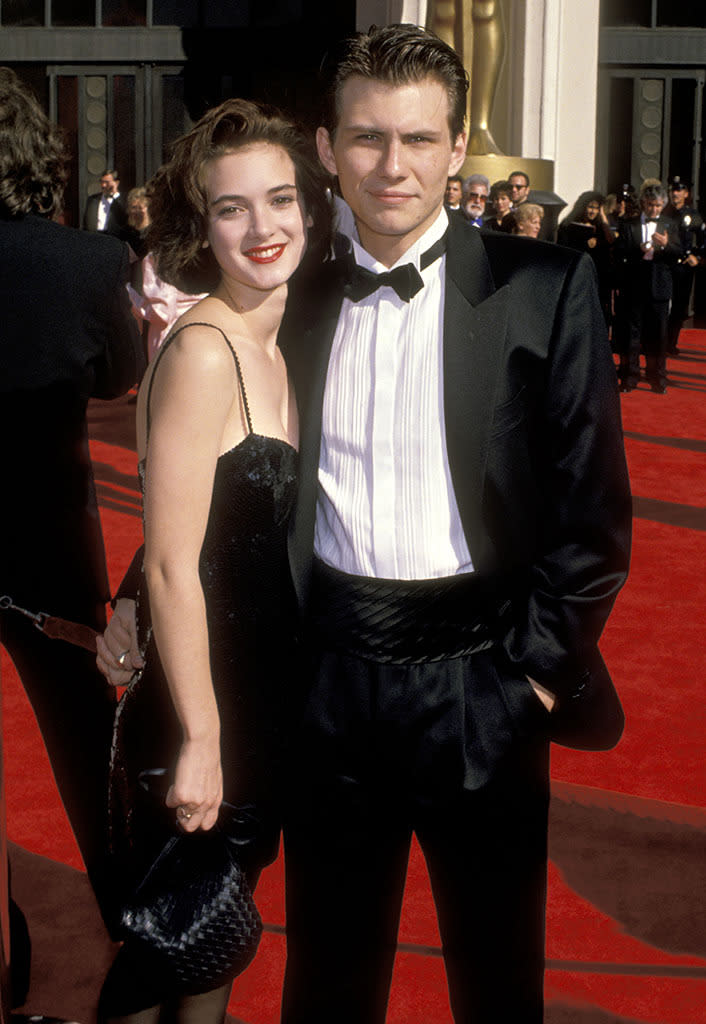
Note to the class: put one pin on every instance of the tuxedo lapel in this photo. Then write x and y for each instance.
(306, 338)
(475, 324)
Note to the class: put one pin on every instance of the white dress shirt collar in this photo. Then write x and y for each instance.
(412, 255)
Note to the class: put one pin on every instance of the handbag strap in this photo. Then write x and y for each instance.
(55, 628)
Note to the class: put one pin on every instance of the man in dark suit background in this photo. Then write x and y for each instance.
(646, 251)
(67, 335)
(106, 210)
(461, 533)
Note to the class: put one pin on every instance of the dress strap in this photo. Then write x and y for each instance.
(239, 372)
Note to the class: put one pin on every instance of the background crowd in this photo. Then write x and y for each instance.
(646, 245)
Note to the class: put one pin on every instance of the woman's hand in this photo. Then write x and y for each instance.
(118, 655)
(197, 791)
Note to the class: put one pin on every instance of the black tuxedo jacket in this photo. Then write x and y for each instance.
(635, 272)
(535, 447)
(116, 224)
(67, 335)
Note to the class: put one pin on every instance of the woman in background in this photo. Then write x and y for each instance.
(527, 219)
(501, 218)
(138, 220)
(586, 229)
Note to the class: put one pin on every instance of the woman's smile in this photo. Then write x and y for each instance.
(265, 253)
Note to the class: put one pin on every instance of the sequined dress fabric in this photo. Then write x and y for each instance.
(251, 614)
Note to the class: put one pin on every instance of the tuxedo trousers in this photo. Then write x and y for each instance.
(451, 748)
(648, 325)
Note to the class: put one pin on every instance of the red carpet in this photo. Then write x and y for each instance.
(626, 932)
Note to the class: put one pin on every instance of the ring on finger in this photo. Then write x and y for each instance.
(183, 814)
(122, 657)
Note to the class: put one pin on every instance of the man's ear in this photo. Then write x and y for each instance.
(458, 153)
(325, 150)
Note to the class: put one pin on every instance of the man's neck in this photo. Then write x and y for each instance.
(389, 249)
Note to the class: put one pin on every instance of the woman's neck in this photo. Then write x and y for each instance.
(260, 312)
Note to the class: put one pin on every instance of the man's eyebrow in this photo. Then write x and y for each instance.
(242, 199)
(373, 130)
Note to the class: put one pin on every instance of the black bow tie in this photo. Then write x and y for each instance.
(406, 280)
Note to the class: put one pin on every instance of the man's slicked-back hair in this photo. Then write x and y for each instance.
(395, 55)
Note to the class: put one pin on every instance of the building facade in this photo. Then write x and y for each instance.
(608, 92)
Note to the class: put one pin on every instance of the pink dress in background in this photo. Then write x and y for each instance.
(160, 304)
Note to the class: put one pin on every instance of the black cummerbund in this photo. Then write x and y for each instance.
(404, 621)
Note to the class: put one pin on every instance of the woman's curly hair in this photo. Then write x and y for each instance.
(177, 196)
(33, 162)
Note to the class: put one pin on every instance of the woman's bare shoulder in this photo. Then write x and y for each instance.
(200, 343)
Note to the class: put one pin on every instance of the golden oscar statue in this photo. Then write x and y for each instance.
(476, 31)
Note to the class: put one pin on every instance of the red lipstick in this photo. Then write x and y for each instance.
(265, 253)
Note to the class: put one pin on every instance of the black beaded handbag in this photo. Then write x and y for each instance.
(193, 909)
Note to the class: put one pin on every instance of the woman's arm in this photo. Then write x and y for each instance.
(192, 398)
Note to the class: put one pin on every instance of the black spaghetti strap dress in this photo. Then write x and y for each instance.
(251, 616)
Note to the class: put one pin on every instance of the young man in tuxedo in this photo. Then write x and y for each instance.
(461, 532)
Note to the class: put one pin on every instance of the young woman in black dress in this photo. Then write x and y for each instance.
(239, 206)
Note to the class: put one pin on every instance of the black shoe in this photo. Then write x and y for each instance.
(625, 385)
(659, 389)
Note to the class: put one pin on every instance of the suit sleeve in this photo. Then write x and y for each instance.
(583, 545)
(122, 360)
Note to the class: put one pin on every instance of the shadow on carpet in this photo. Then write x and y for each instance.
(631, 861)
